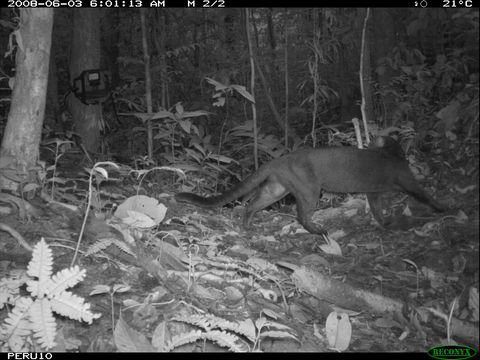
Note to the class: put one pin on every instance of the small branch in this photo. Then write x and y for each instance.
(15, 234)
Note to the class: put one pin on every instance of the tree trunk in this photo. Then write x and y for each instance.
(85, 55)
(367, 77)
(382, 44)
(230, 35)
(52, 108)
(346, 69)
(22, 135)
(148, 81)
(252, 87)
(160, 44)
(273, 70)
(112, 39)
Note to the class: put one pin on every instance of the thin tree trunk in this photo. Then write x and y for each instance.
(365, 78)
(273, 108)
(85, 55)
(148, 81)
(112, 38)
(314, 73)
(230, 34)
(285, 29)
(273, 70)
(160, 42)
(52, 108)
(384, 40)
(252, 87)
(21, 139)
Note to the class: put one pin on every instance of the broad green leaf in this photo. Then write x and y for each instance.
(193, 155)
(189, 114)
(243, 91)
(199, 148)
(221, 158)
(179, 109)
(218, 86)
(162, 114)
(185, 125)
(144, 117)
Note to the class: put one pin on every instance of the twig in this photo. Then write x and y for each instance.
(15, 234)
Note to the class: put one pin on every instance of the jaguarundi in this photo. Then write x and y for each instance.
(306, 173)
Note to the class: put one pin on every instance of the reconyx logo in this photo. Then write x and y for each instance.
(456, 352)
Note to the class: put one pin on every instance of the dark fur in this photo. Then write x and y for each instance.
(306, 173)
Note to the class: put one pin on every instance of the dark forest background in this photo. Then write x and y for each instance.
(215, 93)
(421, 77)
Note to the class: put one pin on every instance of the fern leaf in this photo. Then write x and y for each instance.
(245, 327)
(16, 340)
(206, 322)
(182, 339)
(99, 246)
(210, 322)
(72, 306)
(225, 339)
(18, 313)
(65, 279)
(17, 325)
(42, 260)
(43, 323)
(29, 315)
(124, 247)
(217, 322)
(197, 320)
(104, 243)
(39, 288)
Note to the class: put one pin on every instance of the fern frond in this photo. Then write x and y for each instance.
(13, 323)
(72, 306)
(225, 339)
(36, 316)
(40, 267)
(39, 288)
(98, 246)
(65, 279)
(245, 327)
(104, 243)
(42, 260)
(206, 321)
(16, 340)
(182, 339)
(43, 323)
(210, 322)
(197, 320)
(17, 325)
(124, 247)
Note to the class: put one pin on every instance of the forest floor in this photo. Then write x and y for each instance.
(197, 281)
